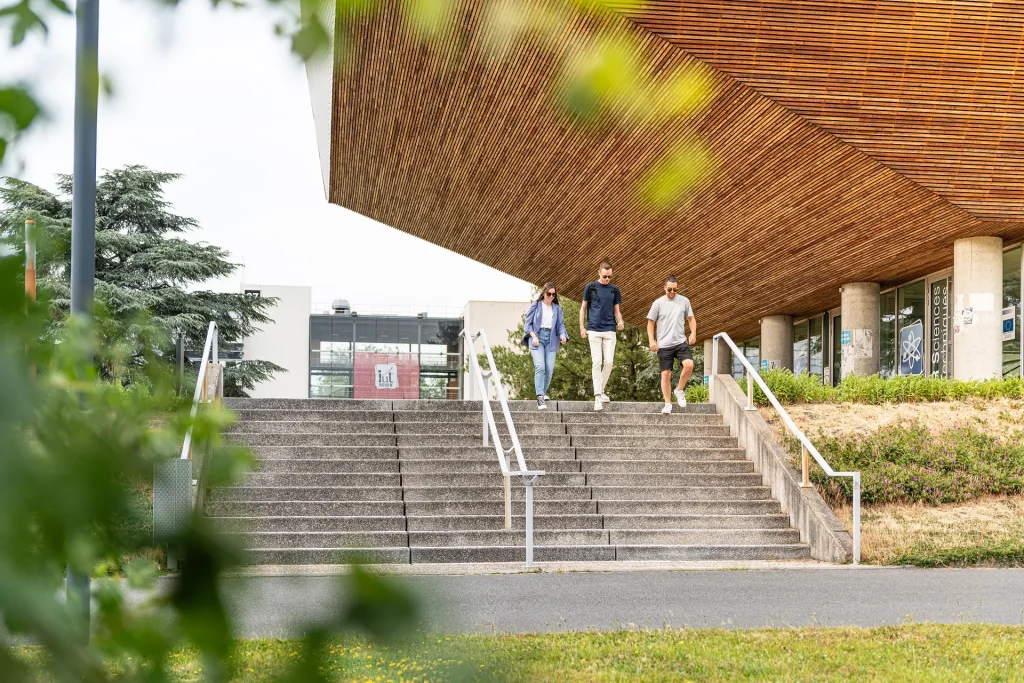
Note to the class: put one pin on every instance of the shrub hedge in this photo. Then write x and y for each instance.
(906, 464)
(805, 388)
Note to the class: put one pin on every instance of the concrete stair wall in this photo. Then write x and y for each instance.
(410, 481)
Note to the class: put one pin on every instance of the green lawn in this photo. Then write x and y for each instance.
(904, 653)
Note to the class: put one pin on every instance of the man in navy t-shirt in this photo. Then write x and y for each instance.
(601, 300)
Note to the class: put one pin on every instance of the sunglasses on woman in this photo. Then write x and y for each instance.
(549, 293)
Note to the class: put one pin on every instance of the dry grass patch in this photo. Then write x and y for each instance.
(995, 416)
(984, 533)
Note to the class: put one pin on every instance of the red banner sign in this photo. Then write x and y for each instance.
(386, 375)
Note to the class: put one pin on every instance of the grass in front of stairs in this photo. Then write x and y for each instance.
(918, 652)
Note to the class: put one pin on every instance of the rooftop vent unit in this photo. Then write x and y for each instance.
(341, 307)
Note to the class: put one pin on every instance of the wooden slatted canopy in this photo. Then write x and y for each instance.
(469, 154)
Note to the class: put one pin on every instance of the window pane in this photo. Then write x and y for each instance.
(815, 343)
(910, 318)
(737, 366)
(1011, 299)
(887, 335)
(752, 350)
(800, 348)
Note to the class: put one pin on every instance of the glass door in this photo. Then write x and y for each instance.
(834, 372)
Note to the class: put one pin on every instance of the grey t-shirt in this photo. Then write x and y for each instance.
(669, 316)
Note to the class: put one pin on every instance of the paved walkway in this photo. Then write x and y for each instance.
(276, 606)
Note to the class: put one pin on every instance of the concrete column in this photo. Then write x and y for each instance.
(861, 320)
(724, 358)
(977, 308)
(777, 341)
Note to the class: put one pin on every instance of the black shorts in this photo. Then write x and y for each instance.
(667, 356)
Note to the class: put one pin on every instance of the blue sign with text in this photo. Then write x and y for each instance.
(847, 337)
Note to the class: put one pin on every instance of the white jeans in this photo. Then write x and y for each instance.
(602, 355)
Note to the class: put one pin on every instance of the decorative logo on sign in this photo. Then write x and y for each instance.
(386, 376)
(1009, 320)
(912, 349)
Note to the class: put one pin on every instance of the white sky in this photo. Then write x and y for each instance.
(216, 96)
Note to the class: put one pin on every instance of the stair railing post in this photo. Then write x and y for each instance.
(529, 523)
(750, 392)
(856, 518)
(714, 368)
(805, 466)
(508, 502)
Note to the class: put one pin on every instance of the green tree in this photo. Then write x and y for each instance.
(144, 267)
(635, 377)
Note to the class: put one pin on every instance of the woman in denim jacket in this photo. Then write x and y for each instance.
(543, 331)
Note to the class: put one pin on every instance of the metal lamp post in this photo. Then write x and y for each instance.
(83, 214)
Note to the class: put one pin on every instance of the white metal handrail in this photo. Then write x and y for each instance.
(210, 353)
(805, 444)
(490, 430)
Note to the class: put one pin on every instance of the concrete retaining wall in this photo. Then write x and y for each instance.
(819, 527)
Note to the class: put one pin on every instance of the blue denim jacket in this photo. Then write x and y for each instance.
(534, 317)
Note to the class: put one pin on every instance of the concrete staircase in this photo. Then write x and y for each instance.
(409, 481)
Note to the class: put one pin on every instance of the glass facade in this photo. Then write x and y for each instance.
(808, 346)
(335, 342)
(752, 351)
(837, 349)
(887, 334)
(1012, 312)
(910, 315)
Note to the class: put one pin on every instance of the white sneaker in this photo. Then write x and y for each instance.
(546, 397)
(598, 405)
(681, 398)
(604, 399)
(667, 409)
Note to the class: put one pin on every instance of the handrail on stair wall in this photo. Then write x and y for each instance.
(490, 430)
(806, 447)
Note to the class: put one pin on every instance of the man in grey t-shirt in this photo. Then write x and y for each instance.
(669, 315)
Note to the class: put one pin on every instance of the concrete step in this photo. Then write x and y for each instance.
(631, 407)
(664, 466)
(612, 451)
(447, 539)
(721, 553)
(478, 452)
(313, 415)
(476, 417)
(328, 452)
(652, 480)
(308, 493)
(332, 404)
(281, 508)
(654, 442)
(511, 553)
(460, 493)
(653, 417)
(475, 429)
(653, 493)
(309, 523)
(494, 479)
(461, 406)
(681, 431)
(704, 536)
(695, 521)
(452, 441)
(493, 508)
(497, 522)
(323, 427)
(482, 465)
(325, 465)
(258, 440)
(329, 555)
(320, 479)
(632, 508)
(324, 539)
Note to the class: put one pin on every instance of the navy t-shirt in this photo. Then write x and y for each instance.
(601, 306)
